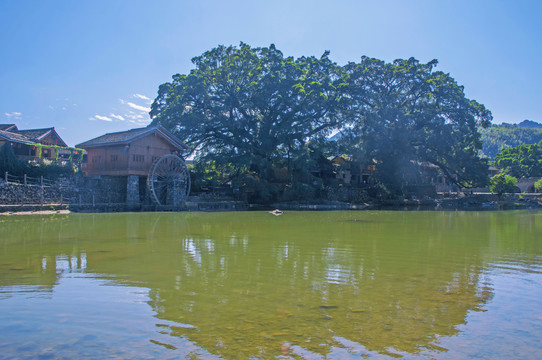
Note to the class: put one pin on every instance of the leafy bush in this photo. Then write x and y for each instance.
(9, 161)
(538, 186)
(298, 192)
(51, 171)
(256, 190)
(13, 165)
(502, 183)
(204, 177)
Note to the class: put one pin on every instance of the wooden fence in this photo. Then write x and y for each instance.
(27, 180)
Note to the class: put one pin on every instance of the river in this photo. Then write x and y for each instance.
(252, 285)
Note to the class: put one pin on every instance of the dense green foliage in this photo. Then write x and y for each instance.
(498, 137)
(264, 119)
(521, 161)
(405, 113)
(503, 183)
(9, 161)
(538, 186)
(16, 167)
(251, 108)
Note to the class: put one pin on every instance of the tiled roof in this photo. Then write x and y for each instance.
(125, 137)
(12, 136)
(30, 136)
(37, 135)
(34, 134)
(114, 138)
(8, 127)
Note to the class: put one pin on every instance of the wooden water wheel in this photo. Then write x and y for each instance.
(169, 181)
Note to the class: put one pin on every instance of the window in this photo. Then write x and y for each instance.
(138, 158)
(114, 157)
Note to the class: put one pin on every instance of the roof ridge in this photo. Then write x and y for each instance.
(123, 131)
(49, 128)
(120, 137)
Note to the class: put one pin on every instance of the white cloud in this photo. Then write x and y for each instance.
(134, 116)
(142, 97)
(118, 117)
(138, 107)
(15, 114)
(99, 117)
(134, 112)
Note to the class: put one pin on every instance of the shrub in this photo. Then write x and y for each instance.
(9, 161)
(538, 186)
(502, 183)
(298, 192)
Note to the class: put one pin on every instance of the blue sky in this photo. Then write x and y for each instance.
(91, 67)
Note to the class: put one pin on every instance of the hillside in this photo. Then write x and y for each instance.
(498, 137)
(526, 124)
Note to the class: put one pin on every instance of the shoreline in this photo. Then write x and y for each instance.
(35, 212)
(450, 202)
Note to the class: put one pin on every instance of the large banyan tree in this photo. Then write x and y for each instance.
(251, 108)
(255, 110)
(404, 115)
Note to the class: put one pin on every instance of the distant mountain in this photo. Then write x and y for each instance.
(504, 136)
(530, 124)
(526, 124)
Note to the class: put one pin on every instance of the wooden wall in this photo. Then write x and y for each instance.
(134, 159)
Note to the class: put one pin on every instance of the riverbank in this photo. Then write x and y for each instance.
(35, 212)
(462, 201)
(443, 202)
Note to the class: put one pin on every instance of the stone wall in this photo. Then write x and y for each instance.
(77, 190)
(17, 194)
(95, 190)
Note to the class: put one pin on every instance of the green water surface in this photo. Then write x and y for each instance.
(251, 285)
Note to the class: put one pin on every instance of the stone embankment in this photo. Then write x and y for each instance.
(462, 201)
(19, 197)
(318, 206)
(488, 201)
(77, 194)
(88, 197)
(17, 194)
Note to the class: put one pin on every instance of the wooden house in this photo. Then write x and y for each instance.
(34, 144)
(129, 152)
(125, 159)
(350, 172)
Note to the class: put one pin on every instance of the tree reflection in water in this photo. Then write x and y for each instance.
(246, 285)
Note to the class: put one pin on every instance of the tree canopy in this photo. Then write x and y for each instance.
(250, 106)
(404, 114)
(521, 161)
(257, 111)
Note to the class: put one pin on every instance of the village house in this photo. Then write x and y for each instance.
(35, 144)
(352, 173)
(128, 157)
